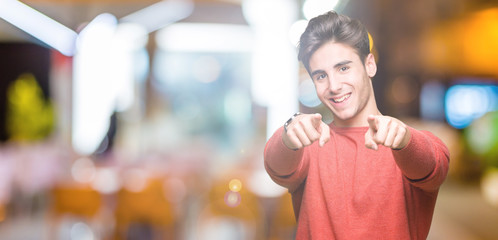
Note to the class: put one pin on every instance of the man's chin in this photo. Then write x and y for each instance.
(342, 119)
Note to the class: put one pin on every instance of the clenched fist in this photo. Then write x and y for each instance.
(304, 130)
(387, 131)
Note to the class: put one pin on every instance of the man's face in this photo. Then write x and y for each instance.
(343, 83)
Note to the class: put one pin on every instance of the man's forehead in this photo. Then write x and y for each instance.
(332, 55)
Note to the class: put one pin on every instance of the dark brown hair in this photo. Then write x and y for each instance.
(333, 27)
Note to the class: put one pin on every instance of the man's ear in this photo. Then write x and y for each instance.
(370, 65)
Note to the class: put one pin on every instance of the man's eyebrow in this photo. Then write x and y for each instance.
(316, 72)
(339, 64)
(345, 62)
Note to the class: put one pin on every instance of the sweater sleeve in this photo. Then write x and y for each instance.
(285, 166)
(424, 161)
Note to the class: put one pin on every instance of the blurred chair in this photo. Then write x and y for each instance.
(75, 202)
(144, 214)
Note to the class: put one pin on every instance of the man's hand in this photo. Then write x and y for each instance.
(387, 131)
(304, 130)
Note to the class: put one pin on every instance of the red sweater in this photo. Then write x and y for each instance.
(346, 191)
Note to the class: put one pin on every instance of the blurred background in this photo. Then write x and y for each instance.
(146, 119)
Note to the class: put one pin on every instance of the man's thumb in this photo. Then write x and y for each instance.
(369, 141)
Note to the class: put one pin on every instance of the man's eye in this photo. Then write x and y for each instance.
(321, 76)
(342, 69)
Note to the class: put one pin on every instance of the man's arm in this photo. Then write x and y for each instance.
(424, 160)
(279, 160)
(419, 155)
(284, 149)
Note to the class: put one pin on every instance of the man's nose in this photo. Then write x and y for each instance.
(334, 85)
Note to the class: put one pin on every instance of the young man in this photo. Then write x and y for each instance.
(365, 175)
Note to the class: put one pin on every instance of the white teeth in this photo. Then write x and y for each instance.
(339, 100)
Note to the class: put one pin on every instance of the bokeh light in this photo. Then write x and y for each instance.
(106, 181)
(313, 8)
(134, 180)
(295, 31)
(489, 186)
(262, 185)
(83, 170)
(81, 231)
(482, 134)
(403, 89)
(205, 37)
(237, 107)
(464, 103)
(432, 101)
(232, 199)
(307, 94)
(206, 69)
(235, 185)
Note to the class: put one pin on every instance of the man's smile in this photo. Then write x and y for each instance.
(341, 98)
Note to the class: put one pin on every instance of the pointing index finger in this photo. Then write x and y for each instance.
(316, 120)
(373, 122)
